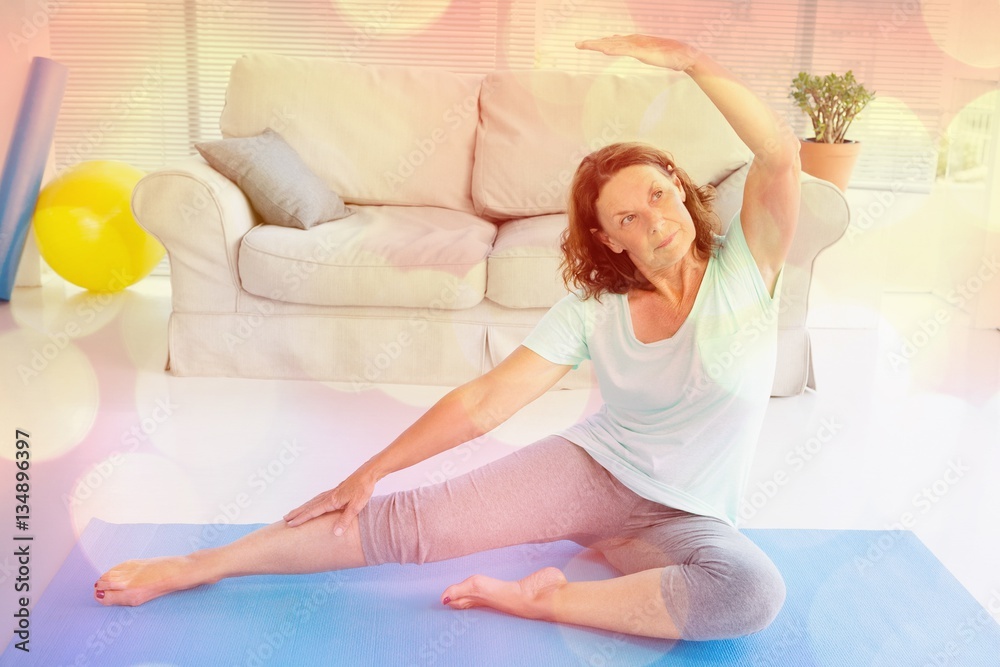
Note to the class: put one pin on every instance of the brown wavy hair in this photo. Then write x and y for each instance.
(589, 264)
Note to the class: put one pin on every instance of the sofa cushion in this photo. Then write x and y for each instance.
(523, 268)
(416, 257)
(376, 134)
(536, 126)
(279, 185)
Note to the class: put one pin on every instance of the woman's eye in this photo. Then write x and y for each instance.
(657, 194)
(627, 219)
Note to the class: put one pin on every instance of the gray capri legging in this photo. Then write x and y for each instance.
(716, 583)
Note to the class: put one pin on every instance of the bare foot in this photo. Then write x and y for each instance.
(528, 598)
(135, 582)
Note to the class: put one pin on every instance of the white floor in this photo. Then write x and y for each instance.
(903, 429)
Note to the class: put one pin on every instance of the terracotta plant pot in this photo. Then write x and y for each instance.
(831, 162)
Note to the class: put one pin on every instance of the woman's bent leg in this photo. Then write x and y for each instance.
(274, 549)
(684, 577)
(715, 583)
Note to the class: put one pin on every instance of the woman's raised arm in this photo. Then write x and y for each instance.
(771, 194)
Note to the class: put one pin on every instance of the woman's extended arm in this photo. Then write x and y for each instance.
(771, 194)
(461, 415)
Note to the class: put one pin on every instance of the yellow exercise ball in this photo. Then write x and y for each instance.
(85, 229)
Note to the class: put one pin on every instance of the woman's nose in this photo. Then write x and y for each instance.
(655, 224)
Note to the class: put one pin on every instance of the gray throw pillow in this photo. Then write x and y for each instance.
(279, 185)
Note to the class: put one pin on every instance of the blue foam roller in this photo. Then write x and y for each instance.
(25, 164)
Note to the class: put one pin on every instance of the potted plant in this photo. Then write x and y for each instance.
(831, 102)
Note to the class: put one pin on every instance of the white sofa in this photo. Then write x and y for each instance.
(459, 185)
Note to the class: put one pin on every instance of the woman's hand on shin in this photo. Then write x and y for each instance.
(349, 497)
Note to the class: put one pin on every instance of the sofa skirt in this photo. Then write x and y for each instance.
(397, 347)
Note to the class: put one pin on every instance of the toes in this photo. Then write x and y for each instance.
(467, 593)
(118, 598)
(116, 578)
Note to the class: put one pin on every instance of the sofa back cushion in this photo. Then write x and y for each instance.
(376, 134)
(536, 125)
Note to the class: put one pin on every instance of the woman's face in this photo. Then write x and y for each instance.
(642, 212)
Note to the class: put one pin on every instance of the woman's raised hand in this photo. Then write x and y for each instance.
(657, 51)
(350, 496)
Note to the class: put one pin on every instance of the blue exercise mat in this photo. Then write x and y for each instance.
(854, 598)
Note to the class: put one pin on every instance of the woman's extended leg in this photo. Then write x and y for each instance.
(274, 549)
(548, 491)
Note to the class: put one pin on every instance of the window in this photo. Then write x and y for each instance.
(148, 77)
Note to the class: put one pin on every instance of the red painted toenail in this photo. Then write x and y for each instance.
(100, 595)
(446, 601)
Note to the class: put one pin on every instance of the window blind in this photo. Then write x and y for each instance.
(147, 78)
(766, 43)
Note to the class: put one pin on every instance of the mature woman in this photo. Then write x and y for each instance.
(680, 324)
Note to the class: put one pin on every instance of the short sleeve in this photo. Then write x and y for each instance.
(561, 335)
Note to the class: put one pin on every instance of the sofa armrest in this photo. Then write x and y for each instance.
(824, 216)
(200, 217)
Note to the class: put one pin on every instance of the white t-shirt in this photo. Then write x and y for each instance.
(681, 416)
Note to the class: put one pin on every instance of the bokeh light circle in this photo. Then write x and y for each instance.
(969, 34)
(50, 388)
(60, 307)
(135, 487)
(144, 330)
(394, 19)
(203, 421)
